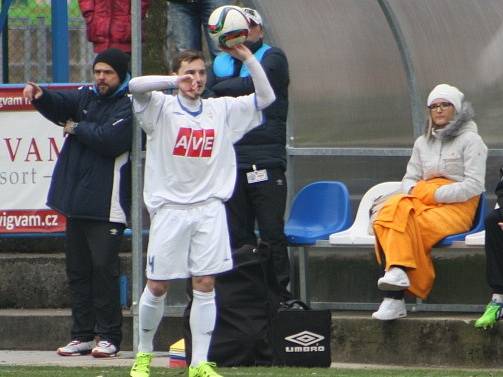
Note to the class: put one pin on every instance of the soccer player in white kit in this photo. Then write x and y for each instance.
(190, 172)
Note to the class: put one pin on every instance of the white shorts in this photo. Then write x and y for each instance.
(188, 240)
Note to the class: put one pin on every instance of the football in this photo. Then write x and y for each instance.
(228, 26)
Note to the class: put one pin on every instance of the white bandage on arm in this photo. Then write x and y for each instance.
(141, 86)
(264, 93)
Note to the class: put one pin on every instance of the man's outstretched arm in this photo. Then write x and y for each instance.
(142, 86)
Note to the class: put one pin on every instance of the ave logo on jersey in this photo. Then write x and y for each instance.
(194, 143)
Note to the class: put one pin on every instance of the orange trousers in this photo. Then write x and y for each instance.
(408, 226)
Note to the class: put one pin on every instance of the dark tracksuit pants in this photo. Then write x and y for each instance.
(92, 267)
(494, 251)
(264, 202)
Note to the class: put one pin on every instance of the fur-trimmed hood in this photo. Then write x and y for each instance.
(462, 122)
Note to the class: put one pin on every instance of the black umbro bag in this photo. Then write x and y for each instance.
(301, 336)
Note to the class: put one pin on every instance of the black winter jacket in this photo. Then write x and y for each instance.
(92, 176)
(499, 192)
(263, 146)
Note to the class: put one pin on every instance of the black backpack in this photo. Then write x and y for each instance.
(247, 299)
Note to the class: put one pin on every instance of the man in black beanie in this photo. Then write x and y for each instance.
(91, 186)
(116, 59)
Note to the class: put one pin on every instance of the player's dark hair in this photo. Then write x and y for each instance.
(186, 56)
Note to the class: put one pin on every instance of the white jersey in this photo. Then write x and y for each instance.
(190, 155)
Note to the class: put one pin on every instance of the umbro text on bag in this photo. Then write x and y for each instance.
(301, 336)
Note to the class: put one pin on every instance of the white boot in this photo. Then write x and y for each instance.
(395, 279)
(390, 309)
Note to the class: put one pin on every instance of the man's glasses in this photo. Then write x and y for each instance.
(442, 106)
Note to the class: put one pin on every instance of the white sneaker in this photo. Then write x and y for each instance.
(390, 309)
(76, 348)
(104, 349)
(395, 279)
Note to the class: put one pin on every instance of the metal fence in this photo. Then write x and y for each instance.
(27, 48)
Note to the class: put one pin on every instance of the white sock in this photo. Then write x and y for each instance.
(150, 315)
(203, 315)
(497, 297)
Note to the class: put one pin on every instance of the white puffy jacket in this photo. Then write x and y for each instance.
(456, 152)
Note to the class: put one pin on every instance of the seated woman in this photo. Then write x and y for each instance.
(494, 261)
(441, 190)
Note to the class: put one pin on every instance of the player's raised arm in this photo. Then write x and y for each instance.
(142, 86)
(145, 84)
(263, 90)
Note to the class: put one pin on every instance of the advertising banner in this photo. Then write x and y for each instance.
(29, 147)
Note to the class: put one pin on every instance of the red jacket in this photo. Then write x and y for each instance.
(109, 23)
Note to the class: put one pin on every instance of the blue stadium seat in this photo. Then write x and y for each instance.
(478, 224)
(318, 210)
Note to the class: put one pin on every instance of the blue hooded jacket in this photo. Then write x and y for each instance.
(92, 176)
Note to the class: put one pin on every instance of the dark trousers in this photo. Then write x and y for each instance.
(92, 267)
(263, 202)
(397, 295)
(494, 251)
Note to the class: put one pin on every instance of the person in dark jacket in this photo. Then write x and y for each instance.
(260, 192)
(91, 186)
(494, 261)
(109, 23)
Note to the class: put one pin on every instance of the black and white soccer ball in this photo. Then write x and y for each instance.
(228, 26)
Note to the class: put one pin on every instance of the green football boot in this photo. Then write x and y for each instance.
(204, 369)
(141, 366)
(491, 315)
